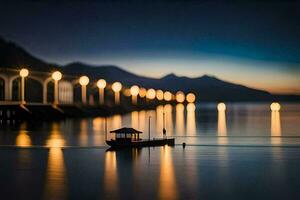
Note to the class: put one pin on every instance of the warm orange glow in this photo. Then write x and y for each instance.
(142, 92)
(24, 72)
(56, 138)
(168, 96)
(180, 119)
(101, 83)
(159, 95)
(169, 118)
(134, 90)
(110, 176)
(135, 120)
(56, 184)
(191, 98)
(84, 80)
(167, 181)
(222, 128)
(275, 128)
(151, 94)
(275, 106)
(180, 97)
(56, 75)
(221, 107)
(23, 139)
(191, 119)
(116, 86)
(159, 119)
(142, 120)
(126, 92)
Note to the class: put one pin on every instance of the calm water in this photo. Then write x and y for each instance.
(247, 152)
(240, 124)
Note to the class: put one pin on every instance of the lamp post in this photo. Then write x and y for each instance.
(134, 90)
(159, 95)
(23, 73)
(167, 96)
(83, 81)
(117, 87)
(190, 97)
(180, 97)
(101, 84)
(56, 77)
(221, 107)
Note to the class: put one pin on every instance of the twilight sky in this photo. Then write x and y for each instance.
(252, 43)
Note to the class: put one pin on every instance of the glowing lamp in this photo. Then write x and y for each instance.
(151, 94)
(159, 95)
(56, 76)
(180, 97)
(84, 80)
(168, 96)
(134, 90)
(127, 92)
(24, 72)
(190, 97)
(142, 92)
(275, 106)
(101, 83)
(116, 86)
(221, 107)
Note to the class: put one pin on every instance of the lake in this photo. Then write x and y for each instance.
(245, 152)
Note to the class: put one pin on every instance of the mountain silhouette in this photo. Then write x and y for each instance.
(207, 88)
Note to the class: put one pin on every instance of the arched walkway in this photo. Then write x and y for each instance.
(33, 89)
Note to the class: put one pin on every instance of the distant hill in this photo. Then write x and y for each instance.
(207, 88)
(14, 56)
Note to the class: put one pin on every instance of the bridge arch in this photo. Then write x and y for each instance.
(31, 95)
(4, 89)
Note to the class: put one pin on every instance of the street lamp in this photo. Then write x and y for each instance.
(134, 90)
(167, 96)
(56, 77)
(275, 106)
(117, 87)
(159, 95)
(180, 97)
(142, 92)
(83, 81)
(190, 97)
(101, 84)
(151, 94)
(221, 107)
(23, 73)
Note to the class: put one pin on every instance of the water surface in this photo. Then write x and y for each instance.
(245, 152)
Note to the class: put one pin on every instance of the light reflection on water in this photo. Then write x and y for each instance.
(110, 175)
(23, 139)
(222, 127)
(167, 181)
(56, 181)
(275, 128)
(240, 124)
(164, 172)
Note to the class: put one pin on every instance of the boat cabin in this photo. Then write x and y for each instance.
(127, 134)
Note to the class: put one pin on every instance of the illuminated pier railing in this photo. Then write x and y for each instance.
(27, 86)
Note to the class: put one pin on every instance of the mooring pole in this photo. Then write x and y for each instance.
(149, 127)
(164, 127)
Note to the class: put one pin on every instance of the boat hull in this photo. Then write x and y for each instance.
(141, 143)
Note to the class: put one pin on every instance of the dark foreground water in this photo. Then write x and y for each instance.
(247, 152)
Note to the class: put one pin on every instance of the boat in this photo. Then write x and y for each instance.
(130, 137)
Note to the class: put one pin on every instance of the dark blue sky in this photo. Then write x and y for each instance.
(235, 41)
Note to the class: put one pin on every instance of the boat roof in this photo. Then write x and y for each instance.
(126, 130)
